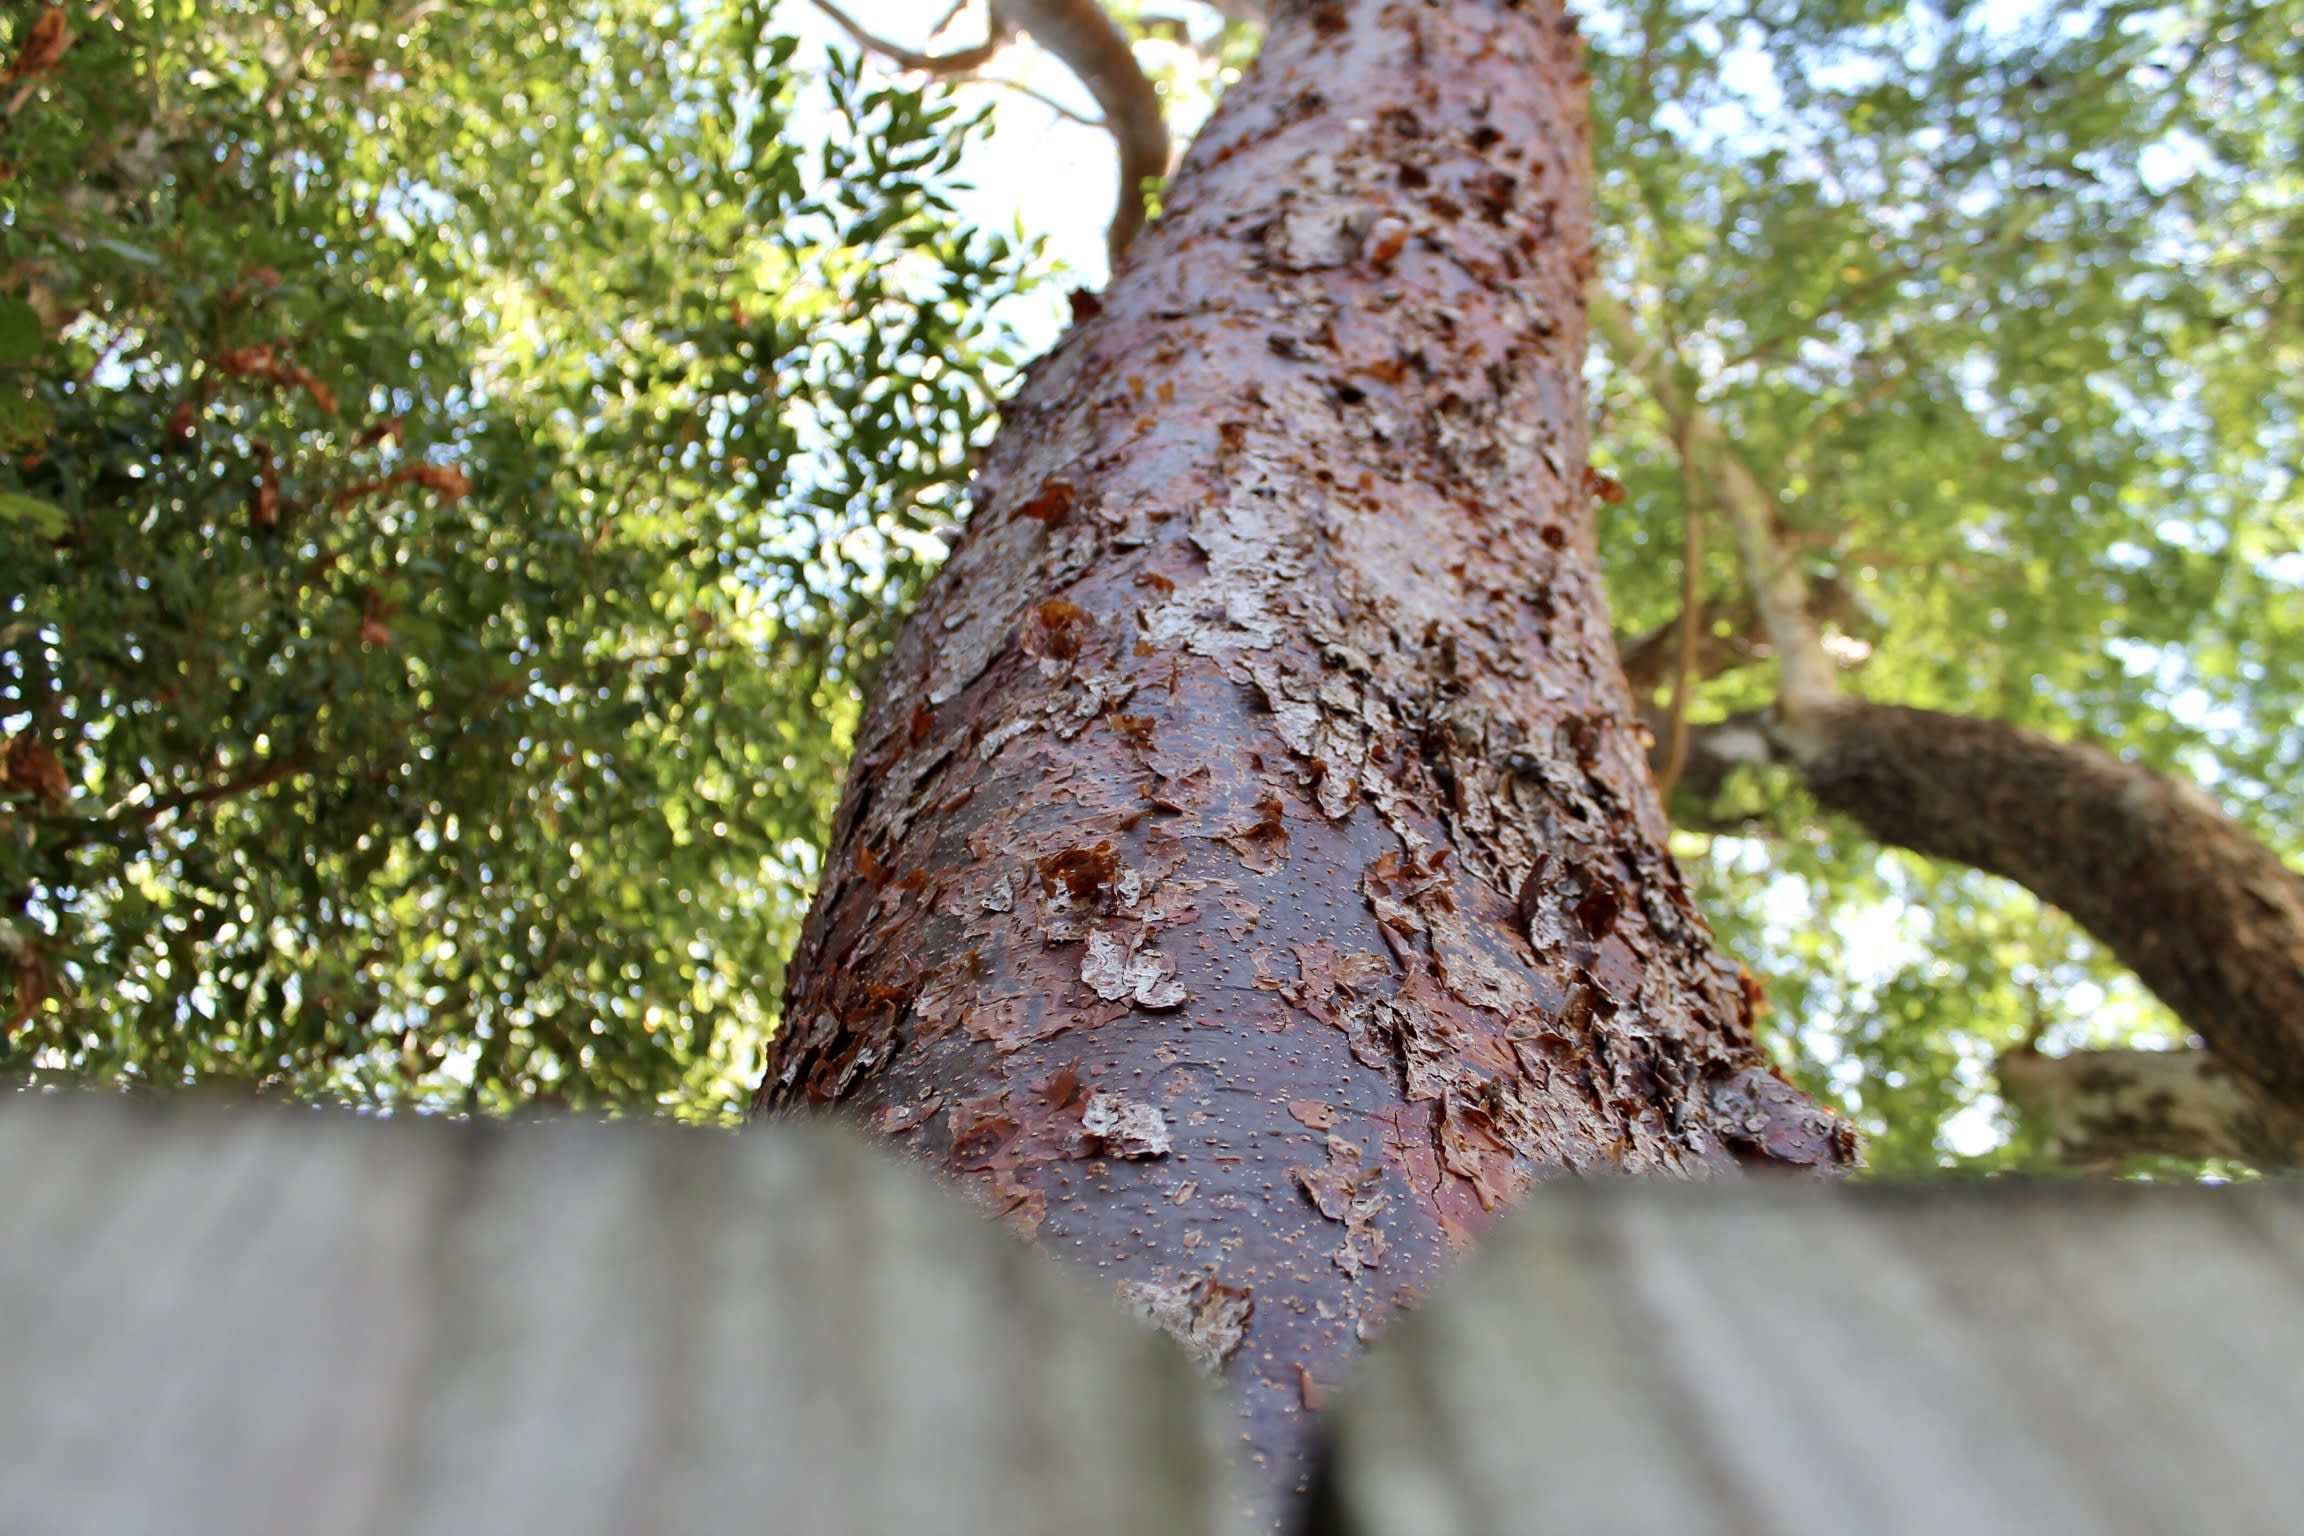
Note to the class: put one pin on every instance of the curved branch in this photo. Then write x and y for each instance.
(1092, 46)
(943, 66)
(2208, 918)
(2101, 1108)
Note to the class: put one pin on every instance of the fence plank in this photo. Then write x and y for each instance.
(1766, 1359)
(264, 1321)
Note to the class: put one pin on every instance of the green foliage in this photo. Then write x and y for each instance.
(458, 465)
(2002, 300)
(461, 464)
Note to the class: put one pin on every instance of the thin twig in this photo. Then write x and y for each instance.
(1691, 614)
(1050, 102)
(119, 818)
(940, 65)
(1771, 569)
(1086, 40)
(270, 773)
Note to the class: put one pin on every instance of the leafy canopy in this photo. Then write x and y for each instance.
(2003, 302)
(461, 462)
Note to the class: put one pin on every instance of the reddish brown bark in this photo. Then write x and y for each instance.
(1250, 878)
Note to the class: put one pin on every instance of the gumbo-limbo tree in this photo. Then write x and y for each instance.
(1250, 876)
(631, 368)
(1546, 523)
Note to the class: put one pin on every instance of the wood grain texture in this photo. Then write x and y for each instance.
(269, 1322)
(265, 1322)
(1974, 1359)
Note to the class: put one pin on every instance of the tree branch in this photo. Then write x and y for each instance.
(1728, 635)
(122, 816)
(255, 779)
(1691, 615)
(1088, 43)
(2101, 1108)
(2211, 920)
(942, 66)
(1042, 97)
(2208, 918)
(1808, 684)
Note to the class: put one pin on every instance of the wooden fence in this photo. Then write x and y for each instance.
(255, 1322)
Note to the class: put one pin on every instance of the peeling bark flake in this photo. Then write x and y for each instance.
(1206, 1316)
(1124, 1127)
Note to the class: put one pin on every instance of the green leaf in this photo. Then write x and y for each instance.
(621, 623)
(126, 252)
(25, 422)
(21, 334)
(46, 521)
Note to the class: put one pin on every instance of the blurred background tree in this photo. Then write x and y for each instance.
(2002, 302)
(460, 463)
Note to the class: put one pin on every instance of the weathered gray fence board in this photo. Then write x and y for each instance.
(303, 1324)
(266, 1322)
(1764, 1359)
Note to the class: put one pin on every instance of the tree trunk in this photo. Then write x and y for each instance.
(1250, 876)
(2208, 918)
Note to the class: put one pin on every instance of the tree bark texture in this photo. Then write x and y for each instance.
(1250, 876)
(2207, 917)
(2101, 1108)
